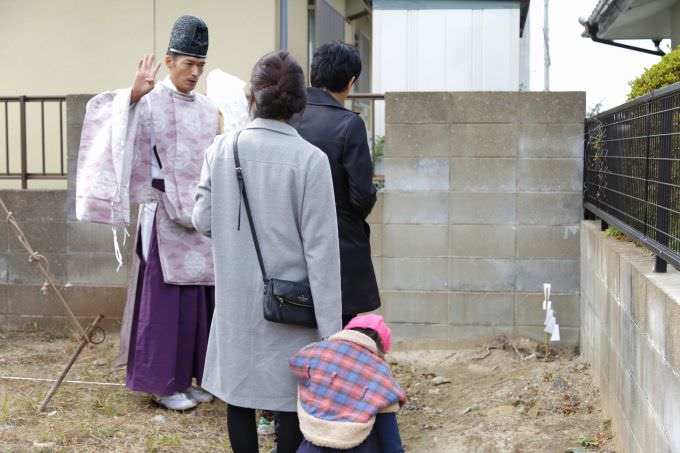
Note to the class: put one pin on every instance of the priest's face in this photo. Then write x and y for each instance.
(184, 71)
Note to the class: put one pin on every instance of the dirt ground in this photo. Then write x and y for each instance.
(498, 397)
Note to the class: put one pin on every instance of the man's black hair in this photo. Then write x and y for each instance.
(333, 66)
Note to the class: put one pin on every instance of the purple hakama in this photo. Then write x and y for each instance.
(170, 328)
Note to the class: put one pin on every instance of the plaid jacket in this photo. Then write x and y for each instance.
(342, 385)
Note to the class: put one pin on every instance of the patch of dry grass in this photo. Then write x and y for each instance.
(88, 418)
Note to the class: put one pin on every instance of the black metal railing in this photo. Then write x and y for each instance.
(34, 138)
(632, 171)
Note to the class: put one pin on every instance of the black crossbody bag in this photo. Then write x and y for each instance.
(285, 301)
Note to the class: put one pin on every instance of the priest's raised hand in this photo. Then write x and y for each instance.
(145, 78)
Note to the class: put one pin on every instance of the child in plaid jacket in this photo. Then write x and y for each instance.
(347, 397)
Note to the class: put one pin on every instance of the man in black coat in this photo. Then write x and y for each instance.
(341, 134)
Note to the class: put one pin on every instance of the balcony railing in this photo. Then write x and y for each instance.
(632, 171)
(34, 138)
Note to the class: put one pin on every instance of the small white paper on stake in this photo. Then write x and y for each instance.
(549, 314)
(549, 305)
(555, 333)
(544, 304)
(550, 325)
(546, 291)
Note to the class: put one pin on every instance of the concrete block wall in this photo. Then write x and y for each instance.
(81, 261)
(630, 333)
(481, 206)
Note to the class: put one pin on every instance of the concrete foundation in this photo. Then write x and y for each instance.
(630, 333)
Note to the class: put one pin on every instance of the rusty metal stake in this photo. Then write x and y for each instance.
(83, 342)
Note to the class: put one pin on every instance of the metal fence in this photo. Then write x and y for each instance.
(34, 138)
(632, 171)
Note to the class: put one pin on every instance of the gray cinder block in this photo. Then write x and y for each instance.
(671, 413)
(482, 241)
(419, 207)
(499, 175)
(656, 318)
(485, 309)
(416, 140)
(481, 274)
(94, 238)
(551, 107)
(415, 240)
(416, 307)
(417, 108)
(43, 237)
(563, 274)
(419, 274)
(484, 107)
(468, 335)
(91, 269)
(419, 174)
(481, 140)
(549, 208)
(672, 334)
(419, 331)
(479, 208)
(46, 206)
(550, 175)
(21, 271)
(551, 140)
(558, 242)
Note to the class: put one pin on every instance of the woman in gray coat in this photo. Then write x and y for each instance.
(290, 190)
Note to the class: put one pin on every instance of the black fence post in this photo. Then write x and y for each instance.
(665, 155)
(660, 265)
(24, 146)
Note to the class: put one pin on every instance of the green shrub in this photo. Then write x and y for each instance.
(664, 73)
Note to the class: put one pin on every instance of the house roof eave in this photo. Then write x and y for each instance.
(603, 16)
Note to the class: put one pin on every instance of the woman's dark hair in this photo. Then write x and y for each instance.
(373, 335)
(333, 66)
(278, 86)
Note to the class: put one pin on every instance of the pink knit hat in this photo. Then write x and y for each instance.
(376, 323)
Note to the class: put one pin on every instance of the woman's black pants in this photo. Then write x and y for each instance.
(242, 428)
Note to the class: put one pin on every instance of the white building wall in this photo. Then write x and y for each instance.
(445, 50)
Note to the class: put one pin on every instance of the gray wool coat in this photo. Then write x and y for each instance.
(290, 190)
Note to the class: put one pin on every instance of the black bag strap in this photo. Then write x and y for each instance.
(242, 189)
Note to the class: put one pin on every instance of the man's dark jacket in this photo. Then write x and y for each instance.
(341, 134)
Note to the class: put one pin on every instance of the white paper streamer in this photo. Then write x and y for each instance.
(555, 333)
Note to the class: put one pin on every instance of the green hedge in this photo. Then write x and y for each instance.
(664, 73)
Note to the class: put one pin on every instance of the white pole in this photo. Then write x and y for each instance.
(546, 45)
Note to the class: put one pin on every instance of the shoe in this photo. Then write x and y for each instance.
(265, 427)
(198, 394)
(178, 401)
